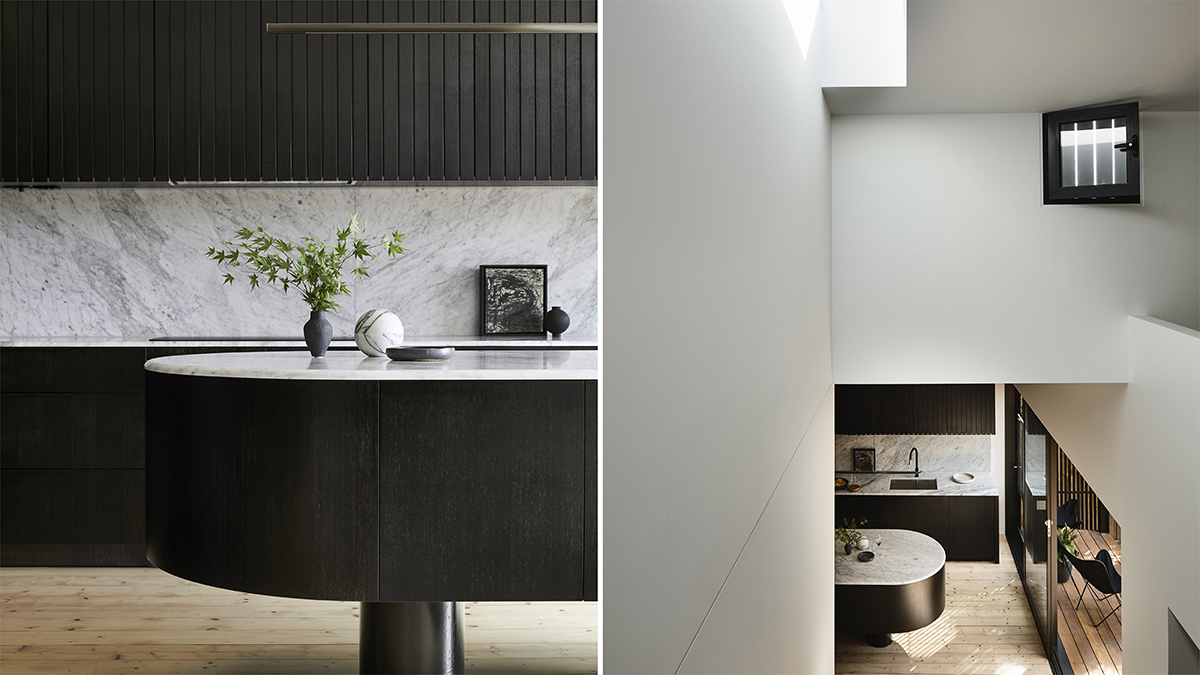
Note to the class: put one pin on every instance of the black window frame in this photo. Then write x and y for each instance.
(1129, 192)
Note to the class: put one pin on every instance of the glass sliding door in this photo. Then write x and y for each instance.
(1033, 549)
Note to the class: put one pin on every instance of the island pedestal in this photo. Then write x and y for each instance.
(406, 491)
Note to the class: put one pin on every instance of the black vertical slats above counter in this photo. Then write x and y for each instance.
(121, 91)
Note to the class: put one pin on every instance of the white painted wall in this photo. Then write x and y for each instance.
(948, 268)
(1138, 446)
(717, 374)
(864, 43)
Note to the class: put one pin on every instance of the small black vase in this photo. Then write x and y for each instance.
(556, 321)
(317, 334)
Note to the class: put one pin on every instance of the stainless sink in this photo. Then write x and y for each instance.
(914, 484)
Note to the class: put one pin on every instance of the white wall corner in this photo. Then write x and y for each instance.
(864, 43)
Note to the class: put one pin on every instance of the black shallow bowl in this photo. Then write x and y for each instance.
(866, 556)
(420, 353)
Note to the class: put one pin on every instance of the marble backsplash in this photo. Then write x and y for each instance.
(936, 453)
(130, 262)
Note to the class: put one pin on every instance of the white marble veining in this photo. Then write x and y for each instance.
(942, 452)
(464, 365)
(879, 484)
(475, 341)
(904, 557)
(130, 262)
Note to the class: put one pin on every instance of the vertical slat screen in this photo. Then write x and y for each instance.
(125, 91)
(1071, 485)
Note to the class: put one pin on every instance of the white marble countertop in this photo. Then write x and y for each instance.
(904, 557)
(464, 365)
(476, 341)
(877, 484)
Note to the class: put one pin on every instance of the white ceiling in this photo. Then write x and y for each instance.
(980, 56)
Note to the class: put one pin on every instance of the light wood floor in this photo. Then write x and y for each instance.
(142, 620)
(1091, 650)
(986, 628)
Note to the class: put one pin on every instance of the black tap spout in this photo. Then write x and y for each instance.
(913, 453)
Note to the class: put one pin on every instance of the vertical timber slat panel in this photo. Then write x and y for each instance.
(345, 93)
(574, 131)
(437, 96)
(542, 92)
(329, 95)
(222, 108)
(148, 94)
(316, 99)
(71, 68)
(299, 95)
(512, 94)
(558, 95)
(10, 31)
(406, 111)
(483, 111)
(466, 75)
(420, 94)
(588, 87)
(361, 96)
(208, 89)
(269, 97)
(497, 95)
(528, 97)
(391, 110)
(131, 105)
(450, 49)
(55, 96)
(375, 95)
(283, 94)
(99, 91)
(254, 90)
(237, 90)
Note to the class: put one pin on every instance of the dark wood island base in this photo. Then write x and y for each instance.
(402, 494)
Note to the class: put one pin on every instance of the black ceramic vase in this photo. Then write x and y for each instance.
(1064, 571)
(556, 321)
(317, 334)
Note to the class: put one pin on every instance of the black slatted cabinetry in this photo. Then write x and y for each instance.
(865, 409)
(113, 91)
(967, 527)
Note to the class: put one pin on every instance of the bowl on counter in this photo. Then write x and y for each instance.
(840, 483)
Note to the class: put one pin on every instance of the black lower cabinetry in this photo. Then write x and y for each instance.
(69, 518)
(967, 527)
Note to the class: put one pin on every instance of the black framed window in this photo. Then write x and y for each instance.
(1090, 155)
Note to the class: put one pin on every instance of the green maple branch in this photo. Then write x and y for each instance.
(312, 266)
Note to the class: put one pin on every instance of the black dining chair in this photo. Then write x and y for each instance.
(1068, 514)
(1098, 575)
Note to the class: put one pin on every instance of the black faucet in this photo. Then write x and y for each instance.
(910, 459)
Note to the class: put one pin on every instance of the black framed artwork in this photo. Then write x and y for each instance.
(512, 299)
(864, 459)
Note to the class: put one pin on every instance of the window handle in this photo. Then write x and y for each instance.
(1131, 146)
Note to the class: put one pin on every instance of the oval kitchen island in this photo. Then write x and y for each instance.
(902, 589)
(406, 486)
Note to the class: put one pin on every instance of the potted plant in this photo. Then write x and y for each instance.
(848, 533)
(1067, 537)
(312, 266)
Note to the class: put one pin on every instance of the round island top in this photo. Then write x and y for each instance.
(904, 557)
(353, 365)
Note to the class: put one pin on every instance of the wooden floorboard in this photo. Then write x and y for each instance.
(142, 620)
(986, 628)
(1091, 650)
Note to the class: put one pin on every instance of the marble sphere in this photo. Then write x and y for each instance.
(376, 330)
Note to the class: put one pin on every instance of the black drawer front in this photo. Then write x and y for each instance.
(76, 369)
(73, 431)
(84, 517)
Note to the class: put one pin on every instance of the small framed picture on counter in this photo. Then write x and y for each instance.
(864, 459)
(512, 299)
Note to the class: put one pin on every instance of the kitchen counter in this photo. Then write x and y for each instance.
(901, 590)
(458, 342)
(463, 365)
(904, 557)
(877, 484)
